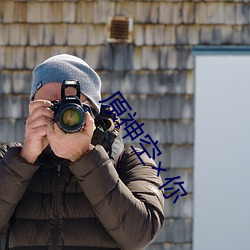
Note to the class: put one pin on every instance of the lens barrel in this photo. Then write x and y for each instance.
(70, 117)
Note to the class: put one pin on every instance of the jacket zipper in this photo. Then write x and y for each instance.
(56, 232)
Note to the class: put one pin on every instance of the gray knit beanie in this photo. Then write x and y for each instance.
(67, 67)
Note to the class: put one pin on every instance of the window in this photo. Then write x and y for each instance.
(222, 149)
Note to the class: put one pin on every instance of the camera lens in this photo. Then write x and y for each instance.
(70, 117)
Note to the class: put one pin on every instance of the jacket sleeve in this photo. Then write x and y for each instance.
(15, 174)
(128, 204)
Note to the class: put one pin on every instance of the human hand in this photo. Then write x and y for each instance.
(35, 140)
(71, 146)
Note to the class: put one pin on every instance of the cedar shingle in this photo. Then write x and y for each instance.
(165, 13)
(48, 37)
(77, 34)
(183, 208)
(206, 35)
(182, 34)
(176, 231)
(106, 60)
(20, 11)
(42, 53)
(96, 35)
(172, 61)
(185, 58)
(165, 157)
(189, 82)
(183, 132)
(150, 57)
(51, 12)
(156, 129)
(154, 14)
(181, 156)
(149, 34)
(19, 130)
(7, 11)
(47, 14)
(57, 12)
(176, 107)
(177, 13)
(229, 13)
(12, 106)
(176, 82)
(142, 84)
(166, 107)
(215, 13)
(153, 107)
(143, 12)
(58, 50)
(186, 175)
(119, 57)
(19, 57)
(170, 13)
(1, 110)
(1, 12)
(8, 59)
(25, 106)
(7, 131)
(186, 111)
(60, 34)
(170, 34)
(125, 8)
(128, 83)
(226, 33)
(34, 12)
(6, 85)
(21, 82)
(137, 61)
(242, 13)
(138, 34)
(106, 82)
(142, 110)
(159, 35)
(201, 13)
(188, 12)
(246, 35)
(237, 34)
(102, 10)
(85, 12)
(159, 83)
(92, 55)
(68, 12)
(36, 34)
(4, 31)
(193, 34)
(116, 78)
(30, 55)
(134, 103)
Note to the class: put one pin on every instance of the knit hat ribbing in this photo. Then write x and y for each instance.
(67, 67)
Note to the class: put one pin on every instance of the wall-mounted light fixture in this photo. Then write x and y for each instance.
(119, 29)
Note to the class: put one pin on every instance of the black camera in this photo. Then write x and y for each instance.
(70, 111)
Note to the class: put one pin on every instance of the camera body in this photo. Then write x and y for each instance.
(70, 112)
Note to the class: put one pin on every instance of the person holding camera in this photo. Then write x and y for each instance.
(72, 184)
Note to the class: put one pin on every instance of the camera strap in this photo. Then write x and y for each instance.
(106, 133)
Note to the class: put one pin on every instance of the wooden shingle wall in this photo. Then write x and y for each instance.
(155, 73)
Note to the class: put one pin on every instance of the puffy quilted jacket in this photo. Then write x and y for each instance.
(90, 204)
